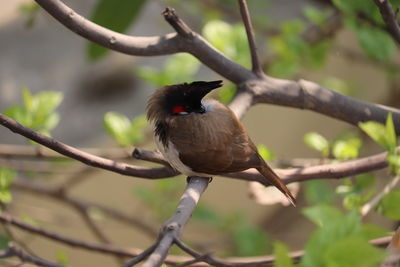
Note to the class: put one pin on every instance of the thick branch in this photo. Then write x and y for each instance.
(389, 17)
(89, 159)
(311, 96)
(173, 227)
(328, 171)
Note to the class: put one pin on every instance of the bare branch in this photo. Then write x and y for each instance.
(375, 200)
(89, 159)
(389, 17)
(244, 11)
(54, 193)
(303, 95)
(173, 227)
(13, 250)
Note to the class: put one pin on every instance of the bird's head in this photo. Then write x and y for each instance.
(179, 99)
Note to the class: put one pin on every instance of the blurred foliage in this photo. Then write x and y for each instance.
(340, 240)
(37, 111)
(265, 152)
(281, 254)
(30, 9)
(7, 176)
(177, 68)
(114, 15)
(124, 131)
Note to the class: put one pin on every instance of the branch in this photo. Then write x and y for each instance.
(84, 157)
(55, 194)
(102, 248)
(13, 250)
(389, 17)
(244, 11)
(25, 151)
(303, 94)
(173, 227)
(375, 200)
(327, 171)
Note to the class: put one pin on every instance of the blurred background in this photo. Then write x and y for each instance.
(94, 90)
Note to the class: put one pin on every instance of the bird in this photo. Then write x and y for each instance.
(203, 137)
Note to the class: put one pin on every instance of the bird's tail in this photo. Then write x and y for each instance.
(274, 180)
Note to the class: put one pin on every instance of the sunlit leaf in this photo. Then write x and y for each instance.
(281, 253)
(317, 142)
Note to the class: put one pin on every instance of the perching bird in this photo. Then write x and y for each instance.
(203, 137)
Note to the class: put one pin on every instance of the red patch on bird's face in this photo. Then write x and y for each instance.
(178, 109)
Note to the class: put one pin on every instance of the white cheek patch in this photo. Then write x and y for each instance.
(209, 104)
(183, 113)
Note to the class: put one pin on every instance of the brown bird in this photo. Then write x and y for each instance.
(203, 137)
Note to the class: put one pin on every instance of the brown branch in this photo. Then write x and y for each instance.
(102, 248)
(303, 95)
(389, 17)
(327, 171)
(84, 157)
(255, 61)
(24, 151)
(173, 227)
(55, 194)
(13, 250)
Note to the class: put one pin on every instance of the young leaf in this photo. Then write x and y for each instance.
(389, 205)
(113, 15)
(377, 43)
(317, 142)
(117, 125)
(377, 131)
(281, 254)
(318, 192)
(322, 214)
(391, 133)
(353, 252)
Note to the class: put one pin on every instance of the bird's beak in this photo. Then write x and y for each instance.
(201, 89)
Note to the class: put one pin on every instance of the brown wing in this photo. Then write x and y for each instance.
(214, 142)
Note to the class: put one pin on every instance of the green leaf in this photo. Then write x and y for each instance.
(336, 229)
(314, 15)
(7, 176)
(391, 133)
(352, 252)
(62, 257)
(4, 242)
(207, 214)
(322, 214)
(118, 126)
(353, 201)
(318, 192)
(227, 93)
(389, 205)
(372, 231)
(347, 148)
(394, 163)
(249, 240)
(339, 85)
(114, 15)
(377, 132)
(377, 43)
(5, 196)
(136, 130)
(265, 153)
(281, 253)
(318, 142)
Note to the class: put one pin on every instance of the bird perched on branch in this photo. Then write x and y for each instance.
(203, 137)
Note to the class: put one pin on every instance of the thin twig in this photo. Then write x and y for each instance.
(367, 207)
(13, 250)
(244, 11)
(54, 193)
(389, 17)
